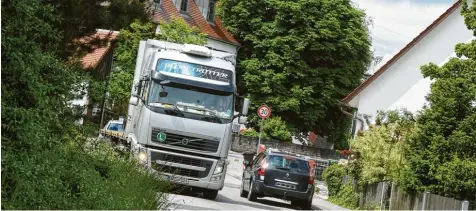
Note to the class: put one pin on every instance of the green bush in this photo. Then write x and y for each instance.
(47, 162)
(253, 133)
(73, 176)
(346, 197)
(333, 176)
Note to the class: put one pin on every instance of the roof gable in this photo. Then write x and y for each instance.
(194, 18)
(402, 52)
(98, 45)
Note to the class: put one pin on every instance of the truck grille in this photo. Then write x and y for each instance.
(183, 141)
(181, 160)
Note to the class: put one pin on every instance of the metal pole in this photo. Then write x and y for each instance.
(108, 74)
(464, 205)
(424, 202)
(260, 131)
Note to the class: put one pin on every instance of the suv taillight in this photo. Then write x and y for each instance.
(311, 172)
(311, 181)
(262, 168)
(261, 171)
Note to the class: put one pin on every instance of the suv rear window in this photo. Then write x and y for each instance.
(288, 163)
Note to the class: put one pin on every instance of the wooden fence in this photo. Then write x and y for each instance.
(385, 196)
(399, 200)
(373, 194)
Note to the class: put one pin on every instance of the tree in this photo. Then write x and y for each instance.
(44, 161)
(379, 151)
(441, 157)
(120, 84)
(299, 57)
(178, 31)
(276, 129)
(273, 128)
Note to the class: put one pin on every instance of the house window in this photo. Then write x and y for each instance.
(211, 11)
(184, 6)
(157, 4)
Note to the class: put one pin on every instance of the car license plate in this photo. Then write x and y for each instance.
(178, 180)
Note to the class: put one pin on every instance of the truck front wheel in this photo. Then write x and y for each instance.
(210, 194)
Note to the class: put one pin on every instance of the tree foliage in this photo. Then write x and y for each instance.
(441, 157)
(178, 31)
(45, 164)
(378, 153)
(273, 128)
(276, 128)
(120, 82)
(299, 57)
(333, 176)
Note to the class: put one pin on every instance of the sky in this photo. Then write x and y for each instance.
(397, 22)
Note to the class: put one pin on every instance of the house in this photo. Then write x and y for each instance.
(399, 82)
(97, 60)
(201, 14)
(312, 139)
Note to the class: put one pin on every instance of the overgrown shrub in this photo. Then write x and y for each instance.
(333, 176)
(79, 175)
(45, 161)
(253, 133)
(346, 197)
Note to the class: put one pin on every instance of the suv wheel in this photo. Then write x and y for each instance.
(252, 194)
(294, 203)
(306, 205)
(210, 194)
(243, 193)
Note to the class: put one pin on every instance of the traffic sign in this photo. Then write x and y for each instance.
(264, 111)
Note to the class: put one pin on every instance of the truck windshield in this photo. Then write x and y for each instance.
(192, 101)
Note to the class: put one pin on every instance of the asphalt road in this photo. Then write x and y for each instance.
(229, 198)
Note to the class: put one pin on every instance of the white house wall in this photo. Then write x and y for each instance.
(222, 46)
(402, 84)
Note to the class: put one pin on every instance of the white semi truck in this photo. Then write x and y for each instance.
(181, 112)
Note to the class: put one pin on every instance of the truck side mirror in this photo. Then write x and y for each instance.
(242, 119)
(134, 100)
(244, 109)
(136, 89)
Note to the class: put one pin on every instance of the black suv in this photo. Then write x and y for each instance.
(279, 175)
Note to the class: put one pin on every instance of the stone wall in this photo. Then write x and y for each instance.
(249, 144)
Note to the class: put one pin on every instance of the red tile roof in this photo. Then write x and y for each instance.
(402, 52)
(93, 58)
(195, 18)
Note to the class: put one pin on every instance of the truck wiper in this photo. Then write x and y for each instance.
(176, 109)
(214, 115)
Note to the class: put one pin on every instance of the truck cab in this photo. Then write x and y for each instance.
(181, 112)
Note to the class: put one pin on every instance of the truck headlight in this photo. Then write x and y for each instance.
(220, 166)
(142, 157)
(141, 154)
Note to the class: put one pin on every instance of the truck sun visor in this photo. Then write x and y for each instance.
(195, 70)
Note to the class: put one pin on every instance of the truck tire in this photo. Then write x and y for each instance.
(252, 194)
(210, 194)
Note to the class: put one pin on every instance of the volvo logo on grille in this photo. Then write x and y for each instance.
(185, 141)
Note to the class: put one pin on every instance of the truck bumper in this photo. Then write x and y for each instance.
(197, 173)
